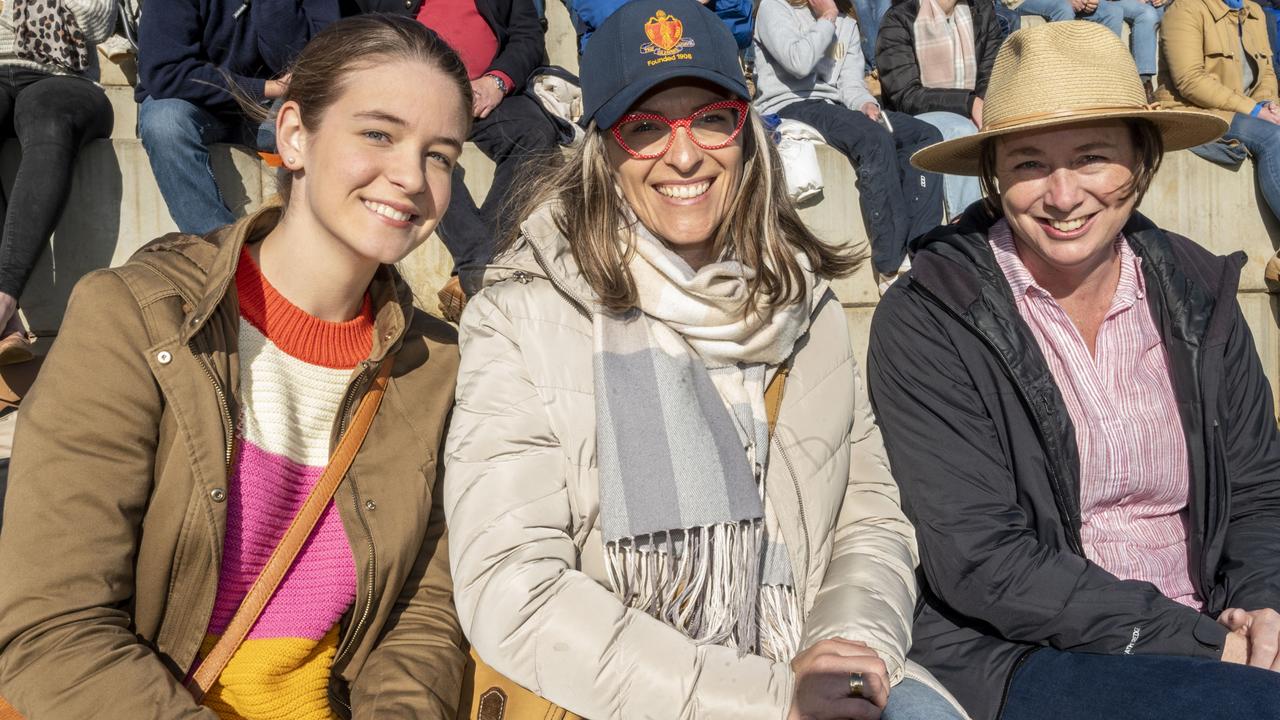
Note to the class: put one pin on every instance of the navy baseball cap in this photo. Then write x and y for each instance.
(647, 42)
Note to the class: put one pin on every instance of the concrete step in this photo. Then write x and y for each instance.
(125, 125)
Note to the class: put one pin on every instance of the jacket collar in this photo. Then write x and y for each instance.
(206, 290)
(954, 265)
(1219, 9)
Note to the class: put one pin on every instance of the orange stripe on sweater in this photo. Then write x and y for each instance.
(307, 338)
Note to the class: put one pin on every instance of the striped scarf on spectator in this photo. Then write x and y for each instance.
(683, 439)
(942, 63)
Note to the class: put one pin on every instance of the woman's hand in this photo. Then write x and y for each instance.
(822, 682)
(1254, 638)
(871, 110)
(1270, 113)
(824, 9)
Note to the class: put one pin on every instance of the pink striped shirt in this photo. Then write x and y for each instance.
(1134, 471)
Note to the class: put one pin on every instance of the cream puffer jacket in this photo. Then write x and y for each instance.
(522, 506)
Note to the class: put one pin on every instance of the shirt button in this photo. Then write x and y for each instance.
(218, 494)
(164, 357)
(370, 505)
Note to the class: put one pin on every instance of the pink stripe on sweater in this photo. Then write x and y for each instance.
(266, 492)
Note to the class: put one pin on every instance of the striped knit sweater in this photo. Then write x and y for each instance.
(294, 371)
(96, 18)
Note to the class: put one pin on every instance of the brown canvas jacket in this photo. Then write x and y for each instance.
(1201, 65)
(116, 509)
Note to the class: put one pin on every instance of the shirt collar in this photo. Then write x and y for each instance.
(1131, 288)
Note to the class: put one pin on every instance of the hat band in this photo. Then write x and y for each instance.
(1077, 112)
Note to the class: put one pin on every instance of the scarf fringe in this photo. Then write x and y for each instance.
(704, 582)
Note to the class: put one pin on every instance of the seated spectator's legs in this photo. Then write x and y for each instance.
(960, 190)
(177, 136)
(869, 14)
(1273, 24)
(1085, 686)
(53, 117)
(515, 132)
(913, 700)
(896, 203)
(1109, 14)
(1262, 139)
(1051, 10)
(1143, 21)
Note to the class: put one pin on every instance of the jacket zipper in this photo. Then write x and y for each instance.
(1073, 533)
(346, 646)
(523, 277)
(227, 423)
(804, 523)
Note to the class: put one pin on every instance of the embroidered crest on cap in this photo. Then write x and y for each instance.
(666, 38)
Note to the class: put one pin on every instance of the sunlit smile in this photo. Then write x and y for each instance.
(684, 191)
(388, 212)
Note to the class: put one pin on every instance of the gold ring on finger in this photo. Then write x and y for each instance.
(857, 686)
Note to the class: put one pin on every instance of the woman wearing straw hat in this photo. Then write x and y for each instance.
(665, 490)
(1077, 417)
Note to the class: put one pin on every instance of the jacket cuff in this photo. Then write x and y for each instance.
(1211, 637)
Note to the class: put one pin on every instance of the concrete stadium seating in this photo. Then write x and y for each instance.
(115, 207)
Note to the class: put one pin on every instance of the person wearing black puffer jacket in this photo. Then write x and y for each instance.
(501, 43)
(917, 49)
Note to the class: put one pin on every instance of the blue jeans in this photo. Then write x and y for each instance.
(913, 700)
(869, 14)
(177, 135)
(1143, 20)
(1060, 10)
(1262, 140)
(1071, 686)
(960, 191)
(1273, 25)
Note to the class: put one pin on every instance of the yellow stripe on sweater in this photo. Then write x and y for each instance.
(274, 679)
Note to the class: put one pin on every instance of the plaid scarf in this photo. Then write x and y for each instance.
(946, 59)
(683, 439)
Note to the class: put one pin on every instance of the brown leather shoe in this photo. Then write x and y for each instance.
(1272, 272)
(15, 348)
(452, 300)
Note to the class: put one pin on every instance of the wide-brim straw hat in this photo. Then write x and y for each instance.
(1065, 73)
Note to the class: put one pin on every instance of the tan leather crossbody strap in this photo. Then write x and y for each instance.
(773, 396)
(294, 537)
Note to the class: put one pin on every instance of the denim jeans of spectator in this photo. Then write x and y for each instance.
(177, 135)
(517, 131)
(1144, 20)
(869, 14)
(53, 117)
(1262, 140)
(1060, 10)
(960, 191)
(898, 202)
(1080, 686)
(1273, 25)
(913, 700)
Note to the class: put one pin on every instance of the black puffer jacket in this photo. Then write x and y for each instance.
(900, 69)
(983, 448)
(521, 47)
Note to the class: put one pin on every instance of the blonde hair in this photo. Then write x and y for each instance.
(761, 227)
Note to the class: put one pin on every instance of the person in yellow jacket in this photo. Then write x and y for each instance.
(1217, 57)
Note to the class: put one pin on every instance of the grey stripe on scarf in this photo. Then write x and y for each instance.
(681, 448)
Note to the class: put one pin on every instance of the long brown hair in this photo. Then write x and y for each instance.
(761, 228)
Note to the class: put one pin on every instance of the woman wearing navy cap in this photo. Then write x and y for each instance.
(666, 493)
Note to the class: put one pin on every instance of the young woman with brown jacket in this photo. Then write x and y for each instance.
(191, 402)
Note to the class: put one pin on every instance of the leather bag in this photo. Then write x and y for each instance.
(489, 695)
